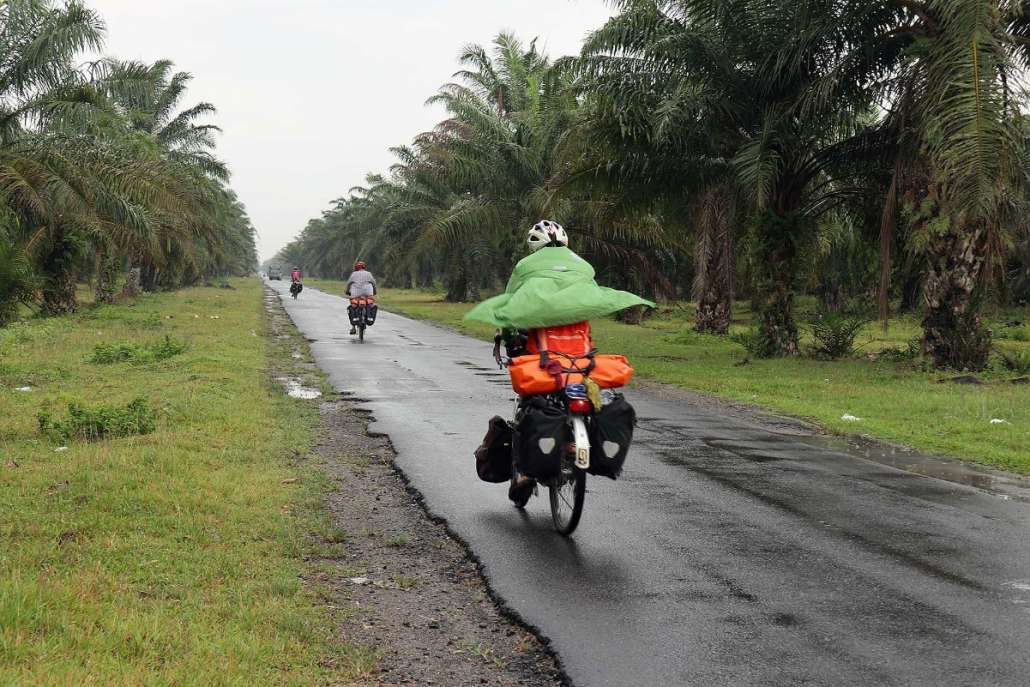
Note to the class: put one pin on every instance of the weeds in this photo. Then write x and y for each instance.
(1015, 361)
(751, 340)
(133, 318)
(122, 352)
(405, 581)
(99, 422)
(912, 351)
(19, 333)
(1013, 334)
(398, 540)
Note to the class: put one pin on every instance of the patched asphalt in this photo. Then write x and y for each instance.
(733, 551)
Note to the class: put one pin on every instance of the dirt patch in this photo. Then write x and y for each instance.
(401, 585)
(419, 598)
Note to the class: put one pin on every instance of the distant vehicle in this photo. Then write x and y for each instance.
(275, 272)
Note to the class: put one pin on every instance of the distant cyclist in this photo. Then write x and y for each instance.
(361, 283)
(295, 274)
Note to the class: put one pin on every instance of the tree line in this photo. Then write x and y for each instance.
(103, 171)
(867, 151)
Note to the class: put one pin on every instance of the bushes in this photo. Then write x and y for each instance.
(121, 352)
(1013, 334)
(99, 422)
(834, 333)
(18, 283)
(751, 340)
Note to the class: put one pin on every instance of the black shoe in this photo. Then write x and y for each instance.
(520, 491)
(353, 331)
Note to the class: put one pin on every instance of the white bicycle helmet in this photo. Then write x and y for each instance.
(547, 233)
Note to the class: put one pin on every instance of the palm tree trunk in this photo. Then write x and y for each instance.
(106, 276)
(461, 286)
(713, 313)
(774, 288)
(954, 335)
(714, 261)
(60, 275)
(777, 330)
(457, 288)
(148, 276)
(59, 293)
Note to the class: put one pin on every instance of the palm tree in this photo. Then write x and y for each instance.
(698, 96)
(943, 72)
(147, 97)
(38, 41)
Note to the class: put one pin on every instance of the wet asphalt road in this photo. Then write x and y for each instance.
(730, 553)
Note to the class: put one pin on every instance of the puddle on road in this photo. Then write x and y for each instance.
(773, 447)
(295, 389)
(1006, 485)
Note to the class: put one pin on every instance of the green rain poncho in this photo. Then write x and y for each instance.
(551, 287)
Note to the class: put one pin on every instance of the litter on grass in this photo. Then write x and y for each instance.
(999, 421)
(24, 388)
(847, 417)
(295, 389)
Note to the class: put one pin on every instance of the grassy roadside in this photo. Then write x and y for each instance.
(174, 557)
(894, 400)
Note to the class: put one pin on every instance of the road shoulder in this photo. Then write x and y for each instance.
(402, 586)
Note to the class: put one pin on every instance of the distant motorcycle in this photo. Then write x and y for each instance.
(295, 289)
(362, 313)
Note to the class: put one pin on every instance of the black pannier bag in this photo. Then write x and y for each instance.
(611, 433)
(352, 314)
(541, 435)
(370, 314)
(493, 457)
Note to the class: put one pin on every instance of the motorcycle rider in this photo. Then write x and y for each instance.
(295, 274)
(360, 283)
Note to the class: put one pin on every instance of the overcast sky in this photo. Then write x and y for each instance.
(311, 93)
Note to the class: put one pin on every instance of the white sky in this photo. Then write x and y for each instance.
(311, 93)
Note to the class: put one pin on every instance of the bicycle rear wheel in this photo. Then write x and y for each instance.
(568, 491)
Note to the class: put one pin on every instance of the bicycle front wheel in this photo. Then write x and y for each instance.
(567, 491)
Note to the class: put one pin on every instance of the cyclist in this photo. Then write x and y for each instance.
(551, 292)
(361, 283)
(295, 274)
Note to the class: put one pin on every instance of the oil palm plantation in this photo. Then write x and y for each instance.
(41, 169)
(148, 97)
(698, 102)
(86, 180)
(945, 75)
(458, 201)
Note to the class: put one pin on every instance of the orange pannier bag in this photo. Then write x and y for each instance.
(362, 300)
(567, 351)
(570, 339)
(529, 378)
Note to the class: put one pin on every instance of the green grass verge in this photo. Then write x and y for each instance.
(896, 401)
(173, 558)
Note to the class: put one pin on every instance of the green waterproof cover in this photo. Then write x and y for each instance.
(552, 287)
